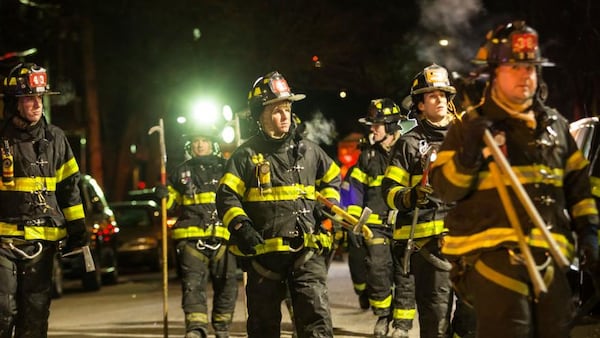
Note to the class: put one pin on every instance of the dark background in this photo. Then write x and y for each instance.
(150, 58)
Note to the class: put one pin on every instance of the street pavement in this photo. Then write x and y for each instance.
(134, 308)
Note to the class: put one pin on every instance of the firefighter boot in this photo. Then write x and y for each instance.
(195, 334)
(382, 327)
(221, 334)
(399, 333)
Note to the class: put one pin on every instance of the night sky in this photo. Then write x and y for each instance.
(153, 57)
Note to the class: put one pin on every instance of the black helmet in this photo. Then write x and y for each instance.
(211, 133)
(384, 111)
(432, 78)
(26, 79)
(511, 43)
(269, 89)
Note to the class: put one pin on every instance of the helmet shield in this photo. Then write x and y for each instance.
(514, 42)
(382, 111)
(269, 89)
(27, 79)
(432, 78)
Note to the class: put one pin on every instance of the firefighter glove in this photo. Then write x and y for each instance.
(587, 238)
(78, 235)
(161, 191)
(417, 196)
(473, 129)
(246, 237)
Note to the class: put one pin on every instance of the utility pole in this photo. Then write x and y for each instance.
(91, 99)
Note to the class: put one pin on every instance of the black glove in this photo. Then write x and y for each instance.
(473, 129)
(246, 237)
(78, 236)
(587, 240)
(161, 191)
(417, 196)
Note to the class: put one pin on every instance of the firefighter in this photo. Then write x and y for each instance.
(383, 119)
(267, 199)
(40, 203)
(201, 239)
(418, 211)
(488, 265)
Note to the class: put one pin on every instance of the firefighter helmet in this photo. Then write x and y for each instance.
(432, 78)
(26, 79)
(269, 89)
(209, 133)
(384, 111)
(511, 43)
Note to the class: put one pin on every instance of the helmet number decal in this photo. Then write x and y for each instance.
(279, 86)
(38, 79)
(524, 43)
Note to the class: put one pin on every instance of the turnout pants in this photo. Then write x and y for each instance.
(198, 267)
(380, 271)
(500, 290)
(270, 275)
(433, 289)
(357, 262)
(25, 290)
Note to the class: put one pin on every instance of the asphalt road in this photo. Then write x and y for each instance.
(134, 309)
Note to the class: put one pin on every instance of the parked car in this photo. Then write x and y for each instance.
(140, 236)
(103, 229)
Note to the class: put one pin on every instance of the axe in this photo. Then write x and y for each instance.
(356, 225)
(87, 257)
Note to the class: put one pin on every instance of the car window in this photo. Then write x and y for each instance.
(132, 218)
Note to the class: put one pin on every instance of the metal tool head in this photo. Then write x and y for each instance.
(362, 220)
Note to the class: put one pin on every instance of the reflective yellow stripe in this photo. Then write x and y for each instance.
(398, 175)
(595, 182)
(276, 244)
(526, 175)
(67, 169)
(359, 175)
(360, 286)
(33, 232)
(201, 198)
(422, 230)
(331, 193)
(381, 304)
(454, 177)
(585, 207)
(196, 317)
(234, 183)
(408, 314)
(222, 317)
(377, 241)
(355, 210)
(490, 238)
(390, 197)
(231, 214)
(74, 212)
(500, 279)
(376, 181)
(29, 184)
(332, 172)
(576, 162)
(281, 193)
(197, 232)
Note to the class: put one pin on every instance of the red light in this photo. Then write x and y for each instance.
(315, 58)
(141, 185)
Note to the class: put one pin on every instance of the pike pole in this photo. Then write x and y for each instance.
(163, 203)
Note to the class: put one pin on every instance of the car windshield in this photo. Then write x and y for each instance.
(132, 218)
